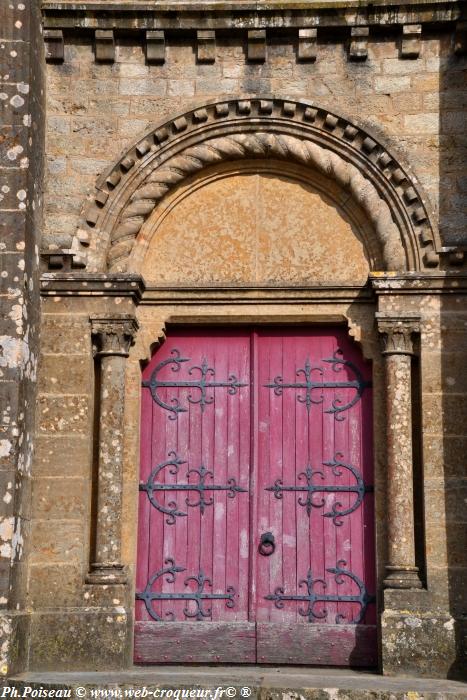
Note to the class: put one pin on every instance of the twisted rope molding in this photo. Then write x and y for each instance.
(257, 145)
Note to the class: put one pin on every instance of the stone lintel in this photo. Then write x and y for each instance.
(397, 339)
(258, 295)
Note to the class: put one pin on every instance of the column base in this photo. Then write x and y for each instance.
(80, 639)
(402, 577)
(418, 643)
(107, 574)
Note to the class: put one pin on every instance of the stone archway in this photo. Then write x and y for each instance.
(235, 130)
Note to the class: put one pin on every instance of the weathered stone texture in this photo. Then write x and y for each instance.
(64, 642)
(111, 104)
(240, 232)
(21, 165)
(418, 643)
(245, 228)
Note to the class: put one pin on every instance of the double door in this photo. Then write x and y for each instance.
(256, 532)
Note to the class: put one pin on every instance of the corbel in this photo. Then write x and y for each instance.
(460, 38)
(358, 47)
(307, 44)
(54, 46)
(411, 43)
(57, 260)
(104, 45)
(155, 46)
(257, 45)
(206, 46)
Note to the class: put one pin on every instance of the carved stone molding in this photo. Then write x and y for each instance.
(152, 336)
(113, 335)
(237, 146)
(397, 334)
(235, 129)
(75, 15)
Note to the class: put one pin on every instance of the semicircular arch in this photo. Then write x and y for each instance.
(263, 129)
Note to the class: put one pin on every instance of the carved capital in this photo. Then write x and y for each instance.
(397, 333)
(113, 335)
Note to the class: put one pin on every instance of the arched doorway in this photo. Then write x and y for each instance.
(256, 520)
(162, 213)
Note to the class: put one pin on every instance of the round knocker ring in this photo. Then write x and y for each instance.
(267, 544)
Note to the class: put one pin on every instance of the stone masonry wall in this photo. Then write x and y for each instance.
(95, 110)
(415, 106)
(21, 168)
(421, 641)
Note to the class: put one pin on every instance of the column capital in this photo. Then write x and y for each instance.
(113, 334)
(397, 333)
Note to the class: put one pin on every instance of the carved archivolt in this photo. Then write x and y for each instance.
(258, 145)
(263, 129)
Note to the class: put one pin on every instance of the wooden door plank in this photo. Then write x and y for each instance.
(313, 644)
(196, 541)
(292, 435)
(203, 642)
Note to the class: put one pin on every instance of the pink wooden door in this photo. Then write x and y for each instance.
(313, 467)
(256, 520)
(194, 524)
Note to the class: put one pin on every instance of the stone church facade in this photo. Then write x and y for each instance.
(163, 170)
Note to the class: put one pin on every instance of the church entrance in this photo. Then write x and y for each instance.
(256, 520)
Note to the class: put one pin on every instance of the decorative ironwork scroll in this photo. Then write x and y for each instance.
(198, 596)
(310, 386)
(201, 385)
(171, 509)
(337, 510)
(311, 597)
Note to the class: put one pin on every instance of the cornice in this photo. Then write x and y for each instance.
(384, 283)
(95, 285)
(244, 14)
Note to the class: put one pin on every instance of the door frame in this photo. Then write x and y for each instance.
(350, 306)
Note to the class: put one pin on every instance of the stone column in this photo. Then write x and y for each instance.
(397, 341)
(112, 337)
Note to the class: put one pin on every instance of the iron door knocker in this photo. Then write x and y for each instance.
(267, 544)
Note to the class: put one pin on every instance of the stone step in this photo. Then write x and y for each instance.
(225, 683)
